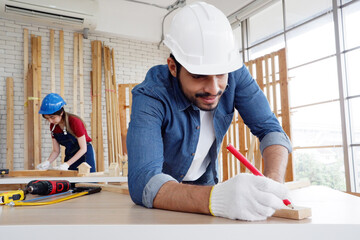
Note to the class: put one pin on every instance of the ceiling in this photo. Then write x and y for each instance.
(140, 21)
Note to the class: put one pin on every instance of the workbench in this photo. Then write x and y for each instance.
(335, 215)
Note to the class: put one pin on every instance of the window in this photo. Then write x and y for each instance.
(266, 23)
(299, 11)
(317, 127)
(311, 41)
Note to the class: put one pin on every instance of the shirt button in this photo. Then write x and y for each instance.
(198, 127)
(182, 176)
(193, 154)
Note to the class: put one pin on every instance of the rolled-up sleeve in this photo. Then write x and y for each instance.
(153, 186)
(275, 138)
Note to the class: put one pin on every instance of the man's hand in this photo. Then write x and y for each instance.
(63, 166)
(247, 197)
(44, 165)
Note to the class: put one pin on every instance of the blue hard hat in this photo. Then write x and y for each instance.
(52, 103)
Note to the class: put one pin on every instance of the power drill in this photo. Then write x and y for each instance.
(44, 187)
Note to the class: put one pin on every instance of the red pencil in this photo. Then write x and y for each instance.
(251, 167)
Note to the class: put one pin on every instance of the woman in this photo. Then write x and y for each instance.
(67, 130)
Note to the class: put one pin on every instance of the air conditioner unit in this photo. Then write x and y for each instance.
(74, 14)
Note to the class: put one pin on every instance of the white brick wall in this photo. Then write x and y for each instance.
(133, 59)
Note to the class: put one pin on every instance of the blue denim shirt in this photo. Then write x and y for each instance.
(164, 129)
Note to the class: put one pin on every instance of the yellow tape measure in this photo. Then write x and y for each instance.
(12, 196)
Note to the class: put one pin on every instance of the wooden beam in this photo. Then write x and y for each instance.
(285, 108)
(122, 113)
(26, 68)
(29, 104)
(109, 119)
(36, 98)
(273, 82)
(75, 71)
(62, 87)
(10, 123)
(61, 46)
(242, 141)
(297, 213)
(81, 75)
(225, 158)
(97, 115)
(259, 73)
(52, 61)
(43, 173)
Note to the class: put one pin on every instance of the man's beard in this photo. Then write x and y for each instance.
(208, 107)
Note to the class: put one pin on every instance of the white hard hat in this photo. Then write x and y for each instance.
(202, 41)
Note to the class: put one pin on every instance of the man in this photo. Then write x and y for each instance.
(180, 114)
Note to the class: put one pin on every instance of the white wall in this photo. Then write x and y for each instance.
(133, 59)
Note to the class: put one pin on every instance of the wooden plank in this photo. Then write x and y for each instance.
(285, 108)
(122, 113)
(273, 82)
(75, 72)
(109, 119)
(52, 61)
(61, 53)
(10, 123)
(81, 75)
(96, 77)
(232, 163)
(30, 110)
(297, 213)
(35, 93)
(43, 173)
(225, 164)
(259, 73)
(242, 141)
(116, 110)
(37, 160)
(99, 111)
(267, 77)
(26, 68)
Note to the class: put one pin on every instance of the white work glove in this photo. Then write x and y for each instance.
(247, 197)
(44, 165)
(63, 166)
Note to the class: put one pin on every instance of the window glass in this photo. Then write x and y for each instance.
(299, 11)
(356, 151)
(267, 47)
(237, 35)
(322, 166)
(266, 23)
(307, 83)
(317, 125)
(312, 41)
(353, 72)
(351, 18)
(355, 119)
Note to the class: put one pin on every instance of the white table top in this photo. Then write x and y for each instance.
(336, 215)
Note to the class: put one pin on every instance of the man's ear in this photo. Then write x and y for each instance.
(171, 66)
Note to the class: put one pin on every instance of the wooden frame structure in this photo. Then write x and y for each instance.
(10, 123)
(270, 72)
(32, 97)
(125, 102)
(96, 115)
(112, 110)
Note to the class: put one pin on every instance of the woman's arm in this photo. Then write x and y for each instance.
(55, 150)
(81, 152)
